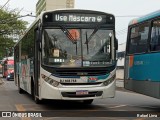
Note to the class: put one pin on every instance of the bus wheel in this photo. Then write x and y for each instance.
(88, 101)
(37, 101)
(33, 93)
(20, 90)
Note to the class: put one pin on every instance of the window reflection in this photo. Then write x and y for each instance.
(76, 47)
(139, 38)
(155, 36)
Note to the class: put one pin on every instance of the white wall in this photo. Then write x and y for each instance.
(121, 48)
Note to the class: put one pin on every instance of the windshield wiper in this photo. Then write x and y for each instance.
(87, 43)
(68, 34)
(91, 36)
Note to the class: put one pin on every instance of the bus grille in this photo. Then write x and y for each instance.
(67, 72)
(76, 84)
(82, 72)
(73, 94)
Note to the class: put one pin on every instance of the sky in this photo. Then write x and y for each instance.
(124, 10)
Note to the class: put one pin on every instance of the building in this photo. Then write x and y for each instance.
(120, 62)
(120, 55)
(43, 5)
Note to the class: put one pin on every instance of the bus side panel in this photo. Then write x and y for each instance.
(127, 82)
(24, 75)
(142, 74)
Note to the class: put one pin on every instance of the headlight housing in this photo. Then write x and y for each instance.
(110, 80)
(50, 80)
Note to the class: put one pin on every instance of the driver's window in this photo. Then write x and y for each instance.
(155, 36)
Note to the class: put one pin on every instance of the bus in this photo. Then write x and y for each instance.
(142, 58)
(7, 66)
(68, 55)
(0, 66)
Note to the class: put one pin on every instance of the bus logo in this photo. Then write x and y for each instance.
(92, 79)
(131, 59)
(82, 73)
(99, 19)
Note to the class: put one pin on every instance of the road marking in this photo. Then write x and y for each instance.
(139, 119)
(143, 106)
(118, 106)
(20, 108)
(1, 81)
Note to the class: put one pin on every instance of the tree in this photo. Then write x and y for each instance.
(11, 27)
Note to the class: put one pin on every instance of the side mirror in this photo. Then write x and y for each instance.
(116, 44)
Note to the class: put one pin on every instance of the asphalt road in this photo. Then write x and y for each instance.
(125, 103)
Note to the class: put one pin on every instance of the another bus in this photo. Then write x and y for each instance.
(7, 66)
(68, 55)
(0, 66)
(142, 59)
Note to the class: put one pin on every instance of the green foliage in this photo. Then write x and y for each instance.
(11, 27)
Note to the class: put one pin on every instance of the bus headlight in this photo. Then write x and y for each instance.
(50, 80)
(107, 82)
(55, 83)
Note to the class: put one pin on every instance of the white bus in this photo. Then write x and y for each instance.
(68, 55)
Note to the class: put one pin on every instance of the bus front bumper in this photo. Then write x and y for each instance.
(77, 93)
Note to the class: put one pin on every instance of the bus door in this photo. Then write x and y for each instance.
(127, 82)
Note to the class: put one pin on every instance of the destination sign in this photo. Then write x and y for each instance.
(75, 18)
(79, 18)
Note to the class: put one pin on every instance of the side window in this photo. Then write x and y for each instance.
(138, 38)
(155, 36)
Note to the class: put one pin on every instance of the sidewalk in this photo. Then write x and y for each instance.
(120, 83)
(1, 82)
(120, 74)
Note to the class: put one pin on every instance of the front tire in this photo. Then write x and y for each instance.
(20, 90)
(37, 100)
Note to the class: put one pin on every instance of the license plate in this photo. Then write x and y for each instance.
(82, 92)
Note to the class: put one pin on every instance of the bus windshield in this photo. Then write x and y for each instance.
(10, 66)
(62, 47)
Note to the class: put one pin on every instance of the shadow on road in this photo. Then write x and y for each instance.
(69, 105)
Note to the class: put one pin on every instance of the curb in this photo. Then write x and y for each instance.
(119, 79)
(1, 82)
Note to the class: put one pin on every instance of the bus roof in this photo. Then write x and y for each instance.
(74, 9)
(66, 9)
(145, 17)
